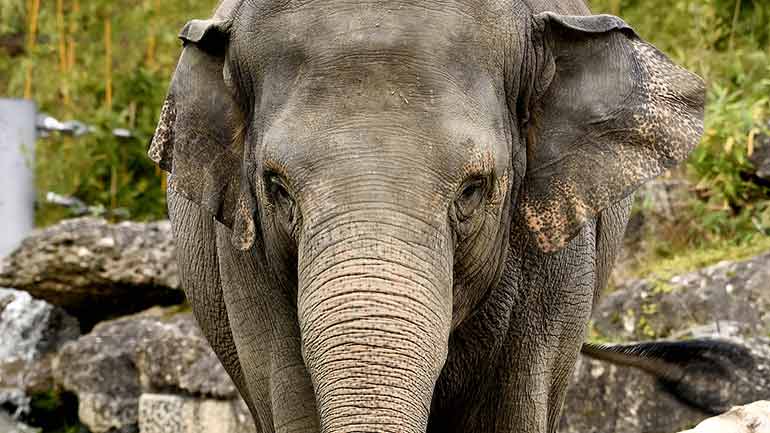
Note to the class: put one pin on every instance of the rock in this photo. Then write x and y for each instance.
(730, 300)
(32, 330)
(174, 414)
(656, 213)
(157, 351)
(752, 418)
(96, 270)
(178, 359)
(731, 297)
(31, 327)
(108, 413)
(605, 398)
(661, 199)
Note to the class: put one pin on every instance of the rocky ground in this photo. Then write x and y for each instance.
(119, 363)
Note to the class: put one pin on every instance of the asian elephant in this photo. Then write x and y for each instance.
(395, 216)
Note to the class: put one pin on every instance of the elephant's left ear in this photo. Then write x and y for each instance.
(198, 138)
(611, 112)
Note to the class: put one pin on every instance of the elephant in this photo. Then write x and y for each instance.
(397, 216)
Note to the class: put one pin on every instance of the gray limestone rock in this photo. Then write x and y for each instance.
(607, 398)
(178, 359)
(656, 213)
(159, 350)
(751, 418)
(96, 270)
(10, 425)
(732, 297)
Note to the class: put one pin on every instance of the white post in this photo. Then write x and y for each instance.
(17, 189)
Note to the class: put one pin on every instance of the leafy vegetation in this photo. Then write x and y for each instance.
(65, 68)
(106, 64)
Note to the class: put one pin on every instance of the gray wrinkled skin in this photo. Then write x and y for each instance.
(395, 216)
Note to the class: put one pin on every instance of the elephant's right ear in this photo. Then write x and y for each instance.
(609, 112)
(197, 138)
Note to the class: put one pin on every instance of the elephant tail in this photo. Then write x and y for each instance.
(696, 372)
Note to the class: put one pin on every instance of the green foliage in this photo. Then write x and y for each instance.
(734, 205)
(71, 80)
(12, 12)
(727, 42)
(103, 169)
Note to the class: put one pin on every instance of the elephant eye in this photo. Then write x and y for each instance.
(279, 193)
(470, 198)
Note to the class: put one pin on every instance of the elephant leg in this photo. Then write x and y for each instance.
(263, 319)
(194, 233)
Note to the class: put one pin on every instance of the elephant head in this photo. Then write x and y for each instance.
(378, 161)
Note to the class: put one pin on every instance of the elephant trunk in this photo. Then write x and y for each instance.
(374, 309)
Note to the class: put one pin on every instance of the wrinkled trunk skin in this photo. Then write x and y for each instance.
(374, 310)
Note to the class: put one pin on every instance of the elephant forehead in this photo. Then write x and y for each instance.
(457, 37)
(324, 26)
(379, 81)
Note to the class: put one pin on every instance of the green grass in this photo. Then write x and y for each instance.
(667, 267)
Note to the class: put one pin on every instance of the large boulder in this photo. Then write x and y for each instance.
(157, 351)
(10, 425)
(730, 301)
(31, 331)
(731, 297)
(96, 270)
